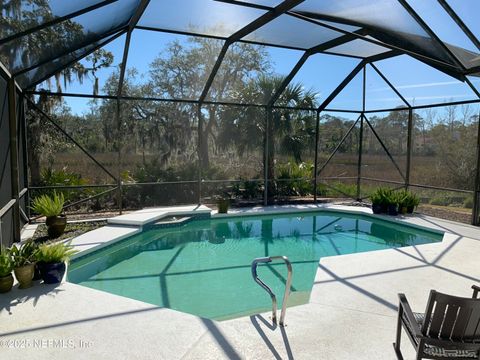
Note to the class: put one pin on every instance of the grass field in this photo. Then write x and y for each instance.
(425, 170)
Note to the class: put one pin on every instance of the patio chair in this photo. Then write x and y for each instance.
(449, 328)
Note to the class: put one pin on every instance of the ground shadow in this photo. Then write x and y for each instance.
(254, 319)
(19, 296)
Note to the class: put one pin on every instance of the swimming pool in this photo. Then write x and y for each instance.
(203, 267)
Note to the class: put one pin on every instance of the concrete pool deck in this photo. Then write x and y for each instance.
(351, 314)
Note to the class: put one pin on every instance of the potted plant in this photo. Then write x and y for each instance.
(412, 203)
(403, 197)
(24, 263)
(51, 259)
(223, 204)
(380, 199)
(51, 208)
(392, 203)
(6, 267)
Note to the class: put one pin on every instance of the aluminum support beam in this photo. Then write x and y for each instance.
(409, 148)
(12, 117)
(476, 192)
(315, 176)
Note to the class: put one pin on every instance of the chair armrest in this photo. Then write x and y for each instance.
(476, 290)
(405, 307)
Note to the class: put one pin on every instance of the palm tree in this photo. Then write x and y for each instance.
(290, 132)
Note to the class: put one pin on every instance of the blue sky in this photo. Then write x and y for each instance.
(417, 82)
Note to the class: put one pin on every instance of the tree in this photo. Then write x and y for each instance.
(181, 72)
(290, 131)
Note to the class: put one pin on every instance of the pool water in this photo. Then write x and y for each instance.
(203, 267)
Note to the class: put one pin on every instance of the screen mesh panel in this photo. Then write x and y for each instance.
(385, 20)
(290, 31)
(251, 74)
(421, 84)
(198, 16)
(444, 146)
(172, 66)
(62, 64)
(23, 15)
(360, 48)
(54, 41)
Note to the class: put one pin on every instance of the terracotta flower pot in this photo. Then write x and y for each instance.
(56, 225)
(24, 275)
(6, 283)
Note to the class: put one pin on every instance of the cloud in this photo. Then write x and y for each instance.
(424, 85)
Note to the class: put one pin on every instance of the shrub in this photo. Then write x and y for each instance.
(48, 206)
(468, 203)
(294, 179)
(23, 255)
(6, 262)
(52, 253)
(440, 201)
(63, 177)
(381, 196)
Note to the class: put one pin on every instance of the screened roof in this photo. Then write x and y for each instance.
(39, 38)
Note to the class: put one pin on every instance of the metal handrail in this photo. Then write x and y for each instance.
(267, 288)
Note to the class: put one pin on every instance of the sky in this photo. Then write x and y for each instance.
(417, 82)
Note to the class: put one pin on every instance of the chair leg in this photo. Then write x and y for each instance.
(396, 344)
(420, 350)
(398, 352)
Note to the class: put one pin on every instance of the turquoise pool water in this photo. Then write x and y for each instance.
(203, 267)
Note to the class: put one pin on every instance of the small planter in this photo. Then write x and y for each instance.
(6, 283)
(392, 210)
(52, 273)
(377, 209)
(403, 210)
(410, 209)
(24, 275)
(223, 205)
(56, 225)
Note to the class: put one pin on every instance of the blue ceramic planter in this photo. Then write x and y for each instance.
(52, 273)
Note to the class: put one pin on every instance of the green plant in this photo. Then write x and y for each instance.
(440, 201)
(403, 197)
(57, 252)
(6, 263)
(23, 255)
(48, 206)
(468, 203)
(252, 189)
(294, 179)
(339, 189)
(51, 177)
(410, 200)
(393, 198)
(382, 196)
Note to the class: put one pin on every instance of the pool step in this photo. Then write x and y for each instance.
(153, 215)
